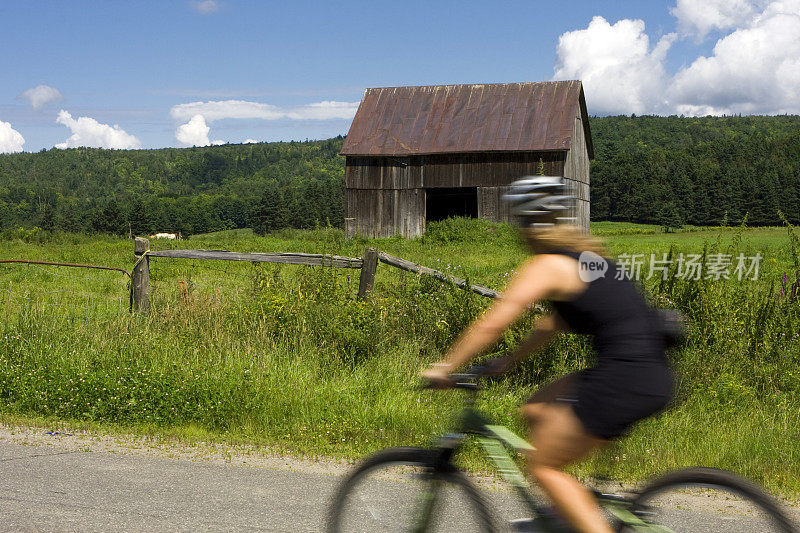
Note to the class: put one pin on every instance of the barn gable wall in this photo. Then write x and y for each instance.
(576, 171)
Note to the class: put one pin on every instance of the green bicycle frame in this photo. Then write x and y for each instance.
(498, 440)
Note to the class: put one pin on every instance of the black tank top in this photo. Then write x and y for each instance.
(616, 315)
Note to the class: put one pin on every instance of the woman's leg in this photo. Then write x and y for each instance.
(559, 438)
(562, 387)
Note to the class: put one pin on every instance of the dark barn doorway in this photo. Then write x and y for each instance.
(445, 203)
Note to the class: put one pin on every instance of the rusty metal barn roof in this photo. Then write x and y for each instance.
(505, 117)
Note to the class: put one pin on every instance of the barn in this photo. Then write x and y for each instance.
(420, 154)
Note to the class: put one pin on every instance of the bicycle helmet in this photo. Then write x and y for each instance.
(540, 201)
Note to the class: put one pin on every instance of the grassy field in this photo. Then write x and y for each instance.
(286, 357)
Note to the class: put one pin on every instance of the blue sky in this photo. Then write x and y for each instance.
(177, 73)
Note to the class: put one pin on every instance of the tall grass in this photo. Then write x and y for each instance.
(288, 357)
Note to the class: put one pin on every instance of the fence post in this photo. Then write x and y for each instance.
(368, 267)
(140, 277)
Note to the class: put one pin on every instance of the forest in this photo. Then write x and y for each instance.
(647, 169)
(699, 171)
(188, 190)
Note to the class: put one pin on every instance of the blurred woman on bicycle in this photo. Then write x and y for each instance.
(581, 412)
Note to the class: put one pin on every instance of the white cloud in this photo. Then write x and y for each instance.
(754, 69)
(698, 17)
(216, 110)
(41, 95)
(324, 111)
(195, 133)
(620, 72)
(198, 116)
(10, 139)
(204, 7)
(88, 132)
(250, 141)
(243, 109)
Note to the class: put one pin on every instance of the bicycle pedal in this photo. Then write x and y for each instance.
(610, 497)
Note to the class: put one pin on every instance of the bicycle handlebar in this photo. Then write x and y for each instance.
(466, 380)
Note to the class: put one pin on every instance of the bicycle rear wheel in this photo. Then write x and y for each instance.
(702, 500)
(402, 489)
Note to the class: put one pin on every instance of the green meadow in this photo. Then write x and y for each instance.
(286, 357)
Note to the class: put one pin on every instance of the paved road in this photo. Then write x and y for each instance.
(63, 483)
(45, 489)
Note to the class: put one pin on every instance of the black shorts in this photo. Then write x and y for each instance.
(608, 399)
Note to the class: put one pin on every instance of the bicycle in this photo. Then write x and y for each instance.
(409, 489)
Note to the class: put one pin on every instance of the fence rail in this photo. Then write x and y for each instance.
(74, 265)
(409, 266)
(140, 273)
(140, 286)
(285, 258)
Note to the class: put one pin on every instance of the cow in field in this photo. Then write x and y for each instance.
(170, 236)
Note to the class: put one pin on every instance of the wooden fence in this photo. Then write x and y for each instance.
(140, 286)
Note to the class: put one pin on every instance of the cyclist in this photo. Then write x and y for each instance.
(579, 413)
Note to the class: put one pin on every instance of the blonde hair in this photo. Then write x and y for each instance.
(563, 236)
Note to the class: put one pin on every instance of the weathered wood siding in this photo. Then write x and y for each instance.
(384, 212)
(449, 170)
(576, 171)
(490, 204)
(385, 196)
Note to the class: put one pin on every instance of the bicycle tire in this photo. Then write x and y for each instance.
(732, 503)
(423, 467)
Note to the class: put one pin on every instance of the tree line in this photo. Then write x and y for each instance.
(189, 190)
(664, 170)
(699, 171)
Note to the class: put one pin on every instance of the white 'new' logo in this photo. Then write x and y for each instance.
(591, 266)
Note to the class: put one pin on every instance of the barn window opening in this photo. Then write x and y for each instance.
(445, 203)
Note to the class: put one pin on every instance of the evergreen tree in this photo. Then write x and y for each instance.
(270, 213)
(139, 221)
(669, 218)
(47, 217)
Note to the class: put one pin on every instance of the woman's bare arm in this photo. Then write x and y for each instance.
(537, 279)
(544, 329)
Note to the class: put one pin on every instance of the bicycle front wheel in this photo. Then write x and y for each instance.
(701, 500)
(402, 489)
